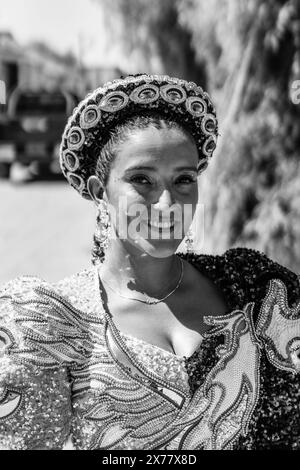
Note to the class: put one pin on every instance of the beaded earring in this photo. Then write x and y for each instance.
(103, 225)
(189, 241)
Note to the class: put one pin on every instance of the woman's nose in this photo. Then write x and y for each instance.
(165, 200)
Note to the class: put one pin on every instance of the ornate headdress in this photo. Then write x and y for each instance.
(90, 126)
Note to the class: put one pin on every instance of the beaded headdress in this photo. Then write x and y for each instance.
(90, 126)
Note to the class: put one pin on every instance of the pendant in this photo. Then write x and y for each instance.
(149, 301)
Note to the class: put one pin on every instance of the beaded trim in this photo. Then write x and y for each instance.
(90, 126)
(54, 332)
(143, 375)
(230, 392)
(7, 340)
(11, 400)
(279, 327)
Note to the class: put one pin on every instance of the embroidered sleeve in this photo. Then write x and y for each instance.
(35, 405)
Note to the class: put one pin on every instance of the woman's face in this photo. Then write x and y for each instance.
(152, 189)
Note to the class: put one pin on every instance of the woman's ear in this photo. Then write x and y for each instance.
(95, 188)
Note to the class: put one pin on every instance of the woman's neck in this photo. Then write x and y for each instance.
(126, 268)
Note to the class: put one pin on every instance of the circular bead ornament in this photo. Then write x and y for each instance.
(114, 101)
(202, 165)
(70, 160)
(209, 124)
(90, 117)
(145, 94)
(196, 106)
(173, 94)
(209, 146)
(75, 138)
(76, 181)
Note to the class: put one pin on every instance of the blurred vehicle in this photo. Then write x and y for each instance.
(31, 130)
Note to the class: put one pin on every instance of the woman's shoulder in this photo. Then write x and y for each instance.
(75, 289)
(15, 294)
(257, 262)
(257, 272)
(243, 260)
(41, 322)
(80, 289)
(245, 274)
(21, 285)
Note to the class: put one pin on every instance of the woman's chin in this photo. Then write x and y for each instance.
(157, 248)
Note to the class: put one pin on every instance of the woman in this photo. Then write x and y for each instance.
(151, 348)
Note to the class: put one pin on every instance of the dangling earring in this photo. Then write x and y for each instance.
(189, 241)
(103, 225)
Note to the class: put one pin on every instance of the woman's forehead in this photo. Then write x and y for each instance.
(157, 146)
(153, 134)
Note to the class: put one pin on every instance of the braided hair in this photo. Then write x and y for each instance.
(118, 136)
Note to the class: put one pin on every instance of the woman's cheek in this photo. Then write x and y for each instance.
(135, 196)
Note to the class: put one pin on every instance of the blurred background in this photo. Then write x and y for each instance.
(246, 53)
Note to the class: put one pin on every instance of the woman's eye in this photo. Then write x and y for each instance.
(140, 180)
(186, 180)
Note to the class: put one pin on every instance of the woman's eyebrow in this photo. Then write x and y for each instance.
(146, 167)
(181, 168)
(141, 167)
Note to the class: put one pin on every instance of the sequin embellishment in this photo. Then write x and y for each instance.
(160, 362)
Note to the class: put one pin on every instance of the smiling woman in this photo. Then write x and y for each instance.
(153, 173)
(151, 347)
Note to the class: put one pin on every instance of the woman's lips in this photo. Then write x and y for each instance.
(166, 224)
(161, 226)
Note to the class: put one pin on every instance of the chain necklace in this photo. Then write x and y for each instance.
(149, 300)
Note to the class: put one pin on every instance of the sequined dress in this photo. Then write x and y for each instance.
(66, 371)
